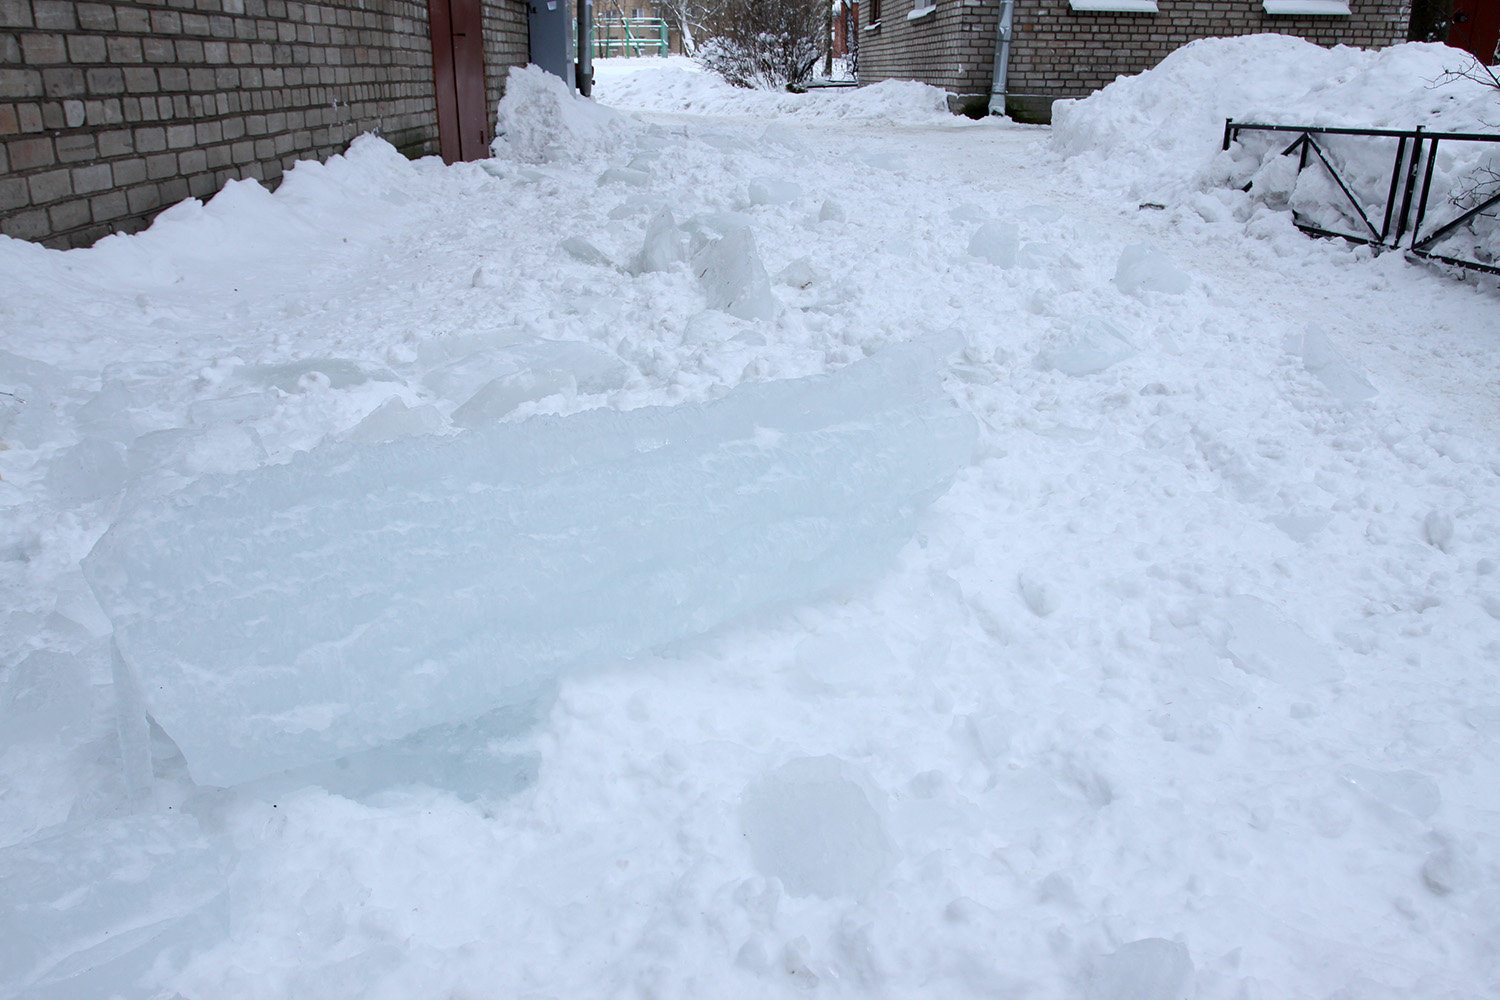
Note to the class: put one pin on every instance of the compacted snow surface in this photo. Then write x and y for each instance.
(723, 547)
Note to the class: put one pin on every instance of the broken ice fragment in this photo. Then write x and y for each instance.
(301, 612)
(734, 279)
(1088, 348)
(1143, 268)
(812, 825)
(996, 242)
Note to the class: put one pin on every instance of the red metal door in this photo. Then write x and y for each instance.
(1476, 28)
(458, 70)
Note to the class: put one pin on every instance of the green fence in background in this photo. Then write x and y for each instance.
(629, 36)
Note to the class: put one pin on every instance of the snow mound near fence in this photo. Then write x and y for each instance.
(672, 89)
(1157, 135)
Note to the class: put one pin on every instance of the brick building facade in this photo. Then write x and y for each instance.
(113, 110)
(1059, 51)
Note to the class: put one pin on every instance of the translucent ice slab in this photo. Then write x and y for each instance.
(360, 593)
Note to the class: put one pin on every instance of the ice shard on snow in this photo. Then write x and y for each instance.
(360, 593)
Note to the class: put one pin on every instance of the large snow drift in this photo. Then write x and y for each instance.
(1155, 135)
(302, 612)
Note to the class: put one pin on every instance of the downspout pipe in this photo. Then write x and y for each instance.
(584, 72)
(1002, 56)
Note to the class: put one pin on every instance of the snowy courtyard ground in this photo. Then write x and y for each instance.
(1189, 686)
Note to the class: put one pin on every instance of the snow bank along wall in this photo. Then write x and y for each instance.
(110, 112)
(1060, 51)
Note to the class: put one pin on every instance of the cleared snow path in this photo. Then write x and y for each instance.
(1187, 688)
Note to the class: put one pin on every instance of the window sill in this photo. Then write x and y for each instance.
(920, 12)
(1114, 6)
(873, 27)
(1307, 8)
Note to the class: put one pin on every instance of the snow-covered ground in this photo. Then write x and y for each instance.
(1186, 685)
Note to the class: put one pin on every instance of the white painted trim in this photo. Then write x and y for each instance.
(1114, 6)
(1308, 8)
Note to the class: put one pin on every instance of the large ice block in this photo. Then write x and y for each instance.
(87, 909)
(360, 593)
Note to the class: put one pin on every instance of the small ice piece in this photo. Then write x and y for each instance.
(1088, 348)
(1409, 791)
(996, 242)
(49, 695)
(624, 175)
(233, 409)
(593, 369)
(393, 420)
(581, 249)
(800, 273)
(1437, 527)
(298, 613)
(663, 247)
(1040, 596)
(773, 191)
(811, 824)
(968, 212)
(84, 912)
(1262, 642)
(92, 469)
(299, 376)
(734, 279)
(1148, 969)
(1337, 374)
(1143, 268)
(831, 211)
(1038, 255)
(502, 395)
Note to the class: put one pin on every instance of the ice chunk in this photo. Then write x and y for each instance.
(831, 211)
(996, 242)
(812, 825)
(1408, 791)
(84, 912)
(357, 594)
(734, 279)
(393, 420)
(1261, 642)
(624, 175)
(48, 695)
(591, 369)
(663, 246)
(1338, 376)
(1090, 347)
(92, 469)
(581, 249)
(773, 191)
(1437, 528)
(502, 395)
(1144, 268)
(1149, 969)
(300, 376)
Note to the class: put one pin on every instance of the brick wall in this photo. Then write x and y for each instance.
(1059, 52)
(111, 111)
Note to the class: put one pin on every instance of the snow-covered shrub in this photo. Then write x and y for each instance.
(768, 44)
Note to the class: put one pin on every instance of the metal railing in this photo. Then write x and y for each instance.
(1407, 196)
(630, 36)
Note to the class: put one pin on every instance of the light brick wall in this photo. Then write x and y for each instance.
(111, 111)
(1059, 52)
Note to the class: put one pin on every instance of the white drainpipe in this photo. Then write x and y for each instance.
(1002, 57)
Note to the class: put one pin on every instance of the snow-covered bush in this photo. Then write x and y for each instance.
(768, 44)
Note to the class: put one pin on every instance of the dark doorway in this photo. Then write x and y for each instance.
(458, 68)
(1476, 28)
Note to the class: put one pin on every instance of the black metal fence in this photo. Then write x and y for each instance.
(1404, 217)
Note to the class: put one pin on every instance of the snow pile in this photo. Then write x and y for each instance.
(673, 89)
(307, 611)
(1156, 135)
(542, 120)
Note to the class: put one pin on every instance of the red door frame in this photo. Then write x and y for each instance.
(1476, 28)
(458, 72)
